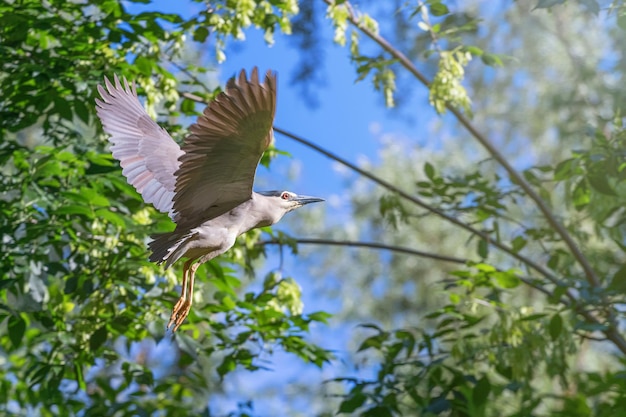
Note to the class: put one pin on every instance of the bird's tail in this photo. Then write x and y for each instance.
(165, 247)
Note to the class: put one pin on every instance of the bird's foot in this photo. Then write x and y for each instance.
(179, 313)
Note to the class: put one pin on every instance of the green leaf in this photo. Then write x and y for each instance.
(200, 34)
(518, 243)
(7, 282)
(81, 110)
(485, 267)
(591, 327)
(112, 217)
(371, 326)
(555, 326)
(144, 65)
(429, 170)
(580, 196)
(481, 391)
(353, 402)
(320, 316)
(378, 411)
(506, 280)
(74, 209)
(71, 284)
(98, 338)
(228, 365)
(94, 197)
(558, 292)
(439, 9)
(474, 50)
(228, 302)
(439, 405)
(618, 282)
(62, 108)
(100, 159)
(188, 106)
(483, 248)
(17, 327)
(80, 377)
(533, 317)
(621, 22)
(600, 183)
(375, 342)
(491, 60)
(565, 169)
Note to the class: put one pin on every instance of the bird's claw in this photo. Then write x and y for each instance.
(179, 313)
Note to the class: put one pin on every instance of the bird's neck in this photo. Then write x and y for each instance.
(258, 212)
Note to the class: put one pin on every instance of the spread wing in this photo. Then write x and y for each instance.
(222, 152)
(147, 153)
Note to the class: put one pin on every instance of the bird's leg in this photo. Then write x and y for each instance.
(183, 310)
(183, 296)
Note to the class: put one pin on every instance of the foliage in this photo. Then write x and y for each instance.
(78, 294)
(542, 278)
(490, 349)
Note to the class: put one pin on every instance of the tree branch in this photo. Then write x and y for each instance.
(590, 274)
(373, 245)
(611, 333)
(417, 201)
(408, 251)
(491, 148)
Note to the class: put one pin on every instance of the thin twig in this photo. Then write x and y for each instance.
(191, 75)
(373, 245)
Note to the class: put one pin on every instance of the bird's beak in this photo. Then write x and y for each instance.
(305, 199)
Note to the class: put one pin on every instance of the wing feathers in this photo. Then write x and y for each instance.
(214, 171)
(147, 154)
(223, 149)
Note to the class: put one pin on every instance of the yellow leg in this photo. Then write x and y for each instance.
(183, 310)
(183, 296)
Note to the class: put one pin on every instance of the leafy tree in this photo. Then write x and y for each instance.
(524, 251)
(487, 326)
(77, 289)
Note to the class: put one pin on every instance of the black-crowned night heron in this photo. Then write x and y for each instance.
(205, 186)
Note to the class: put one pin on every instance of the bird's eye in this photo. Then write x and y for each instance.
(285, 196)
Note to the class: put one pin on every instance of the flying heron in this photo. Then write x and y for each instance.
(206, 185)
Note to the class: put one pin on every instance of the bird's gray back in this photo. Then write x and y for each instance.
(216, 235)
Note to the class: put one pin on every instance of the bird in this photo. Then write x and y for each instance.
(205, 185)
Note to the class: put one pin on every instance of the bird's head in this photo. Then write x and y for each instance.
(282, 202)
